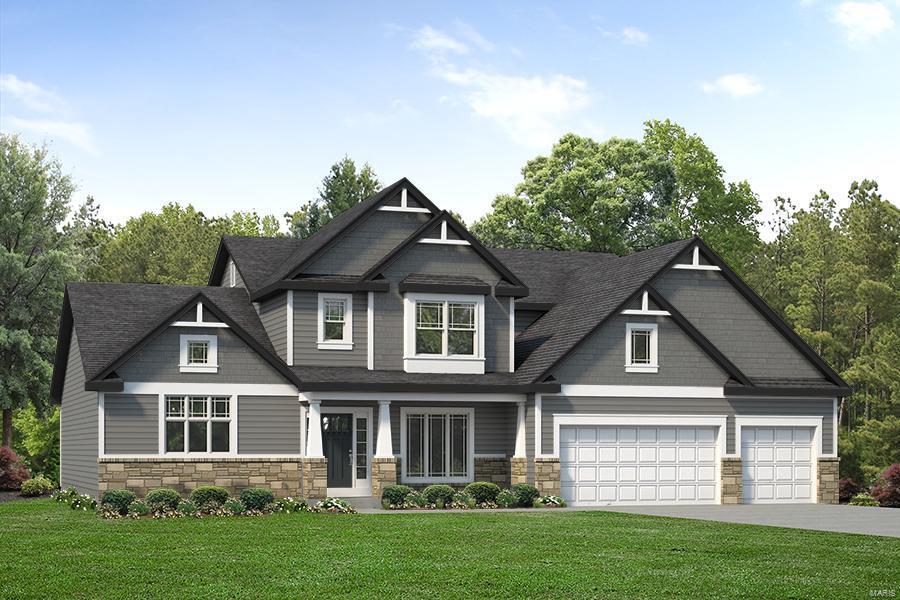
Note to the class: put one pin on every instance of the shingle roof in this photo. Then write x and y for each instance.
(323, 378)
(257, 258)
(548, 272)
(110, 318)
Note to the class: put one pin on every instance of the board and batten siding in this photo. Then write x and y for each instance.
(268, 425)
(273, 315)
(728, 407)
(600, 360)
(131, 424)
(306, 333)
(79, 428)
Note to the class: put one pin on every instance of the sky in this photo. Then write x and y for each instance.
(244, 105)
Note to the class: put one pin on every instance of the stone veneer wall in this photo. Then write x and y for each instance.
(518, 470)
(546, 476)
(384, 473)
(828, 480)
(732, 480)
(494, 470)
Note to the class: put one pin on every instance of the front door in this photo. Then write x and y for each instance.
(337, 445)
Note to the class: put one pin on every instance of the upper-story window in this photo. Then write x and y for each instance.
(335, 322)
(641, 348)
(444, 334)
(199, 354)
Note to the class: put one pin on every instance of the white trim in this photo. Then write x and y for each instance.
(695, 263)
(520, 450)
(780, 421)
(403, 198)
(208, 389)
(314, 431)
(199, 312)
(215, 324)
(289, 327)
(101, 430)
(445, 242)
(385, 442)
(346, 343)
(408, 209)
(470, 468)
(359, 487)
(834, 429)
(642, 391)
(303, 411)
(161, 408)
(370, 331)
(407, 397)
(232, 268)
(538, 425)
(212, 358)
(645, 309)
(512, 335)
(653, 366)
(442, 363)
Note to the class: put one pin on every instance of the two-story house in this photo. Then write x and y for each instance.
(392, 346)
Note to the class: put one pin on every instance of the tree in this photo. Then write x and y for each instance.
(342, 188)
(34, 201)
(88, 234)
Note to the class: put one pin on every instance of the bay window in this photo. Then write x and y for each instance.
(198, 424)
(437, 445)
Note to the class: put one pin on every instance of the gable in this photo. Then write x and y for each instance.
(438, 259)
(733, 324)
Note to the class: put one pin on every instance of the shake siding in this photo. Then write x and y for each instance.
(78, 443)
(728, 407)
(273, 314)
(731, 323)
(306, 333)
(158, 360)
(600, 360)
(268, 425)
(132, 424)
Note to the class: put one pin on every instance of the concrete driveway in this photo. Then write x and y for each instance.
(823, 517)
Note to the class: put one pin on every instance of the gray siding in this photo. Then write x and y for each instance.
(372, 239)
(79, 428)
(158, 360)
(600, 360)
(495, 424)
(268, 425)
(728, 407)
(525, 318)
(226, 276)
(731, 323)
(306, 333)
(273, 314)
(132, 424)
(496, 334)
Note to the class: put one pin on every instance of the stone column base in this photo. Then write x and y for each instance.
(732, 479)
(828, 492)
(546, 476)
(518, 470)
(314, 477)
(494, 470)
(384, 473)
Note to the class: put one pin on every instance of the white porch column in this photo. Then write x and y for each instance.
(520, 432)
(314, 431)
(384, 447)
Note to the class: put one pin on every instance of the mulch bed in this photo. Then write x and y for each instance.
(13, 495)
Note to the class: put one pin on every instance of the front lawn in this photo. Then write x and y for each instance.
(50, 550)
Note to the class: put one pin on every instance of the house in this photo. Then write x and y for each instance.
(392, 346)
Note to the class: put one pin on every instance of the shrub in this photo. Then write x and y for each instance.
(83, 502)
(234, 506)
(289, 505)
(887, 489)
(415, 499)
(525, 493)
(847, 488)
(36, 440)
(483, 491)
(334, 505)
(863, 500)
(462, 500)
(66, 496)
(256, 498)
(38, 486)
(507, 499)
(188, 508)
(12, 470)
(396, 494)
(439, 492)
(162, 499)
(549, 502)
(138, 508)
(209, 496)
(118, 499)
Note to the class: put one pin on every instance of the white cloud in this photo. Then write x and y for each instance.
(431, 40)
(736, 85)
(863, 21)
(634, 36)
(30, 94)
(469, 33)
(77, 134)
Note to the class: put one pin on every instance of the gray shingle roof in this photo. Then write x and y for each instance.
(547, 273)
(321, 378)
(257, 258)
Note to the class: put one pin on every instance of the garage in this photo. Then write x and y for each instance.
(778, 464)
(639, 463)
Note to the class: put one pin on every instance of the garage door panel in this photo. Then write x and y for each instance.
(777, 464)
(607, 455)
(627, 434)
(587, 435)
(587, 455)
(627, 454)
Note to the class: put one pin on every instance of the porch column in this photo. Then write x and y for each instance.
(520, 432)
(314, 432)
(384, 447)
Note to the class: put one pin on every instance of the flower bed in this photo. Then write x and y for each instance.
(478, 495)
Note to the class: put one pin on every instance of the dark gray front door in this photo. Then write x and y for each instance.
(337, 445)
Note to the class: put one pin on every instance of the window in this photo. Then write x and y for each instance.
(198, 424)
(641, 348)
(438, 445)
(335, 322)
(443, 334)
(199, 354)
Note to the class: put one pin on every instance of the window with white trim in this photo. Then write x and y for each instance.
(198, 424)
(443, 333)
(199, 354)
(335, 322)
(641, 348)
(438, 445)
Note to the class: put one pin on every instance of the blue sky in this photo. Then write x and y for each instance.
(245, 105)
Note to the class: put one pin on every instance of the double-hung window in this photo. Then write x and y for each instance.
(335, 322)
(438, 445)
(198, 424)
(641, 348)
(444, 334)
(198, 354)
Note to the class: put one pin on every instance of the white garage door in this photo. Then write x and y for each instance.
(637, 465)
(777, 464)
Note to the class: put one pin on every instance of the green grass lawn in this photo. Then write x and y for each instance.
(50, 550)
